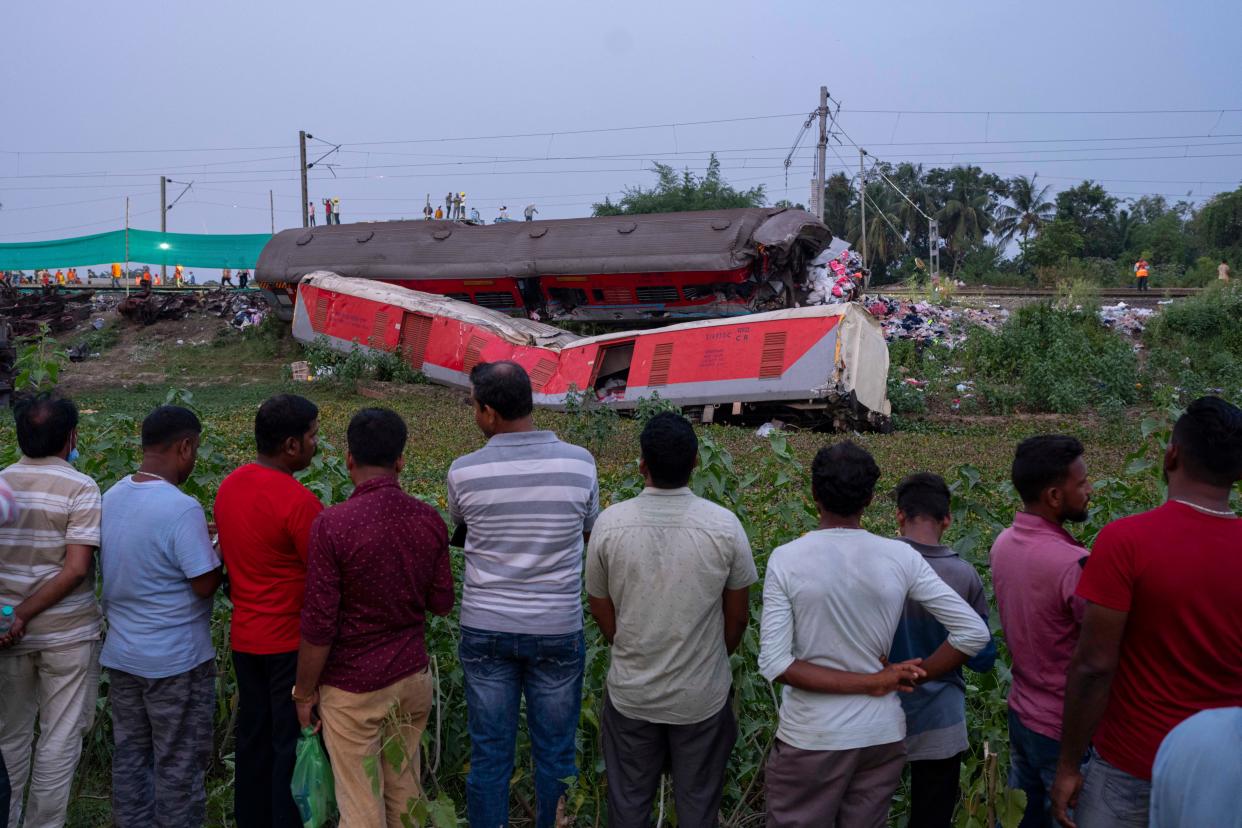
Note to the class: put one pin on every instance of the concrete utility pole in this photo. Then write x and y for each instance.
(862, 203)
(271, 206)
(163, 223)
(821, 153)
(305, 191)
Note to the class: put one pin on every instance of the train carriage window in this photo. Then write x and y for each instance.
(612, 371)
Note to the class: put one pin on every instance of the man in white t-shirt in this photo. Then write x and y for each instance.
(832, 600)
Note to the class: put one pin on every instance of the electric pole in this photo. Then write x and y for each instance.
(305, 191)
(163, 224)
(822, 152)
(271, 206)
(862, 203)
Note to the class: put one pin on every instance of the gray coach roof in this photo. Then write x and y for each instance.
(713, 240)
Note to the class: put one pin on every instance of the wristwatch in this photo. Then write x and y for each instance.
(293, 693)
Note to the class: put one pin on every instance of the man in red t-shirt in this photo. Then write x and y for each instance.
(264, 518)
(1162, 635)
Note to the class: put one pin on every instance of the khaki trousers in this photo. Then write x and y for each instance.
(58, 686)
(356, 728)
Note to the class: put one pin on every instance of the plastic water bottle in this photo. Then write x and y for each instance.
(6, 620)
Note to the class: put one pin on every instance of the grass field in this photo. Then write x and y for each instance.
(763, 479)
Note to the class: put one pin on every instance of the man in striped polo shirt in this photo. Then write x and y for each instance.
(527, 500)
(49, 659)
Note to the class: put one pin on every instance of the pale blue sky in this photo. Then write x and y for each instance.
(145, 75)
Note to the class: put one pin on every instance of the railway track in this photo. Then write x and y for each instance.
(1045, 293)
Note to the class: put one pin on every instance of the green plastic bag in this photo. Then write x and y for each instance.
(312, 781)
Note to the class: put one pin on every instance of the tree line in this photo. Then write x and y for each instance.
(990, 227)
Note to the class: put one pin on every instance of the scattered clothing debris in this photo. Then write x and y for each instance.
(1125, 319)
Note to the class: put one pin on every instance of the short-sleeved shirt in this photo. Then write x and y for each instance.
(378, 563)
(8, 504)
(58, 506)
(154, 541)
(1177, 572)
(1035, 570)
(665, 559)
(526, 499)
(936, 710)
(833, 598)
(1197, 772)
(264, 518)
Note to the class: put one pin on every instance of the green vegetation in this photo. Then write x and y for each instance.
(763, 480)
(1196, 344)
(687, 191)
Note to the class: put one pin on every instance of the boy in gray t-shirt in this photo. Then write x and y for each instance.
(668, 576)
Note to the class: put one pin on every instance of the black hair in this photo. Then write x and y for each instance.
(1043, 461)
(669, 448)
(168, 424)
(281, 417)
(923, 495)
(44, 422)
(843, 478)
(1209, 435)
(376, 437)
(503, 387)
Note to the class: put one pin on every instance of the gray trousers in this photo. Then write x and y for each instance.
(163, 733)
(825, 788)
(636, 753)
(1111, 798)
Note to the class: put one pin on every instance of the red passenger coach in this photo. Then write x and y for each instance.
(822, 366)
(666, 266)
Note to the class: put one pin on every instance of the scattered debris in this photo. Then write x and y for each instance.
(769, 427)
(300, 371)
(241, 309)
(928, 323)
(1125, 319)
(26, 313)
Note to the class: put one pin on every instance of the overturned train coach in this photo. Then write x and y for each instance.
(821, 367)
(665, 266)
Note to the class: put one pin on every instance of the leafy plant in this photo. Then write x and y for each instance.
(39, 361)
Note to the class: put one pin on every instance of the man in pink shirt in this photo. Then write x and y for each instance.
(1036, 565)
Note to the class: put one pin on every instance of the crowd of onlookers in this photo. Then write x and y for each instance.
(1126, 700)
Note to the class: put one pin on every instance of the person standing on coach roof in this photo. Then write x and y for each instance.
(527, 502)
(379, 562)
(49, 658)
(264, 519)
(668, 579)
(1162, 635)
(1036, 565)
(159, 574)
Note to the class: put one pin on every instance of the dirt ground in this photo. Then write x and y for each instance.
(199, 350)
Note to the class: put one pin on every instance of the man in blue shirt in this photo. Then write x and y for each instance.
(1198, 772)
(159, 575)
(936, 710)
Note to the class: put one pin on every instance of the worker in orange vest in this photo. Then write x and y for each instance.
(177, 275)
(1140, 274)
(116, 274)
(60, 277)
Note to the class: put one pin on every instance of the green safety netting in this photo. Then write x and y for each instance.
(138, 246)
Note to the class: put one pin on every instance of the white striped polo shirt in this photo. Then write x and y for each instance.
(57, 506)
(526, 499)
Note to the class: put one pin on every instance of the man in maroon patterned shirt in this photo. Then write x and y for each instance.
(378, 563)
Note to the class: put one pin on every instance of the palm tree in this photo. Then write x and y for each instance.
(966, 217)
(1028, 211)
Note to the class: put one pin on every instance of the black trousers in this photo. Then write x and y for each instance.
(266, 738)
(637, 752)
(934, 791)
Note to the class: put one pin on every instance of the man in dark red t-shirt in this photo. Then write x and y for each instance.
(264, 518)
(379, 562)
(1162, 635)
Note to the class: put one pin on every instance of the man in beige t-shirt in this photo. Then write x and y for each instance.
(1222, 271)
(668, 576)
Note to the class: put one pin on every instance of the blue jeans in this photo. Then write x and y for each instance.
(1032, 768)
(1111, 798)
(500, 668)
